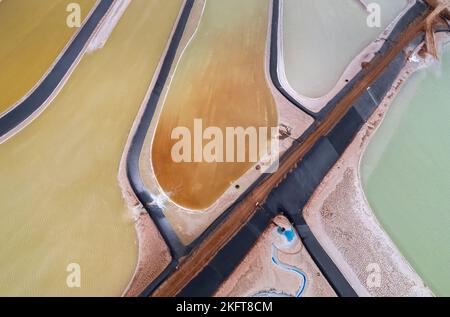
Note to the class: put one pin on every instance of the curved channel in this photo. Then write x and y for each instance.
(37, 98)
(34, 34)
(290, 268)
(61, 202)
(178, 250)
(289, 235)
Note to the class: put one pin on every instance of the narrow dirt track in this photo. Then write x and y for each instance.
(191, 265)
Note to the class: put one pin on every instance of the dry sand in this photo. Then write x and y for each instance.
(154, 256)
(190, 224)
(101, 36)
(343, 222)
(257, 273)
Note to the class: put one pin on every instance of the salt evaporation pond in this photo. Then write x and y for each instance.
(32, 34)
(60, 201)
(321, 38)
(406, 174)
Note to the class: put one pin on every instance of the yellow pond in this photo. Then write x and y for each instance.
(60, 201)
(221, 80)
(32, 35)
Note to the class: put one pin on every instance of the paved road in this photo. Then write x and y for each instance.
(201, 256)
(37, 98)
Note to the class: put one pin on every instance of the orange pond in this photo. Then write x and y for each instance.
(221, 80)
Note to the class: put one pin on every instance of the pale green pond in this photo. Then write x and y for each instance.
(406, 174)
(321, 38)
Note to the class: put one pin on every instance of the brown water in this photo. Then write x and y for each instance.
(221, 80)
(60, 201)
(32, 35)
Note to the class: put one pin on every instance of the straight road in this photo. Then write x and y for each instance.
(200, 257)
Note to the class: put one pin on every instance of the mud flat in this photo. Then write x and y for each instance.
(33, 34)
(220, 76)
(322, 48)
(60, 198)
(406, 175)
(345, 225)
(258, 275)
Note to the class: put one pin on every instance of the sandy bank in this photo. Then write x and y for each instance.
(187, 223)
(346, 227)
(61, 84)
(257, 274)
(100, 37)
(153, 254)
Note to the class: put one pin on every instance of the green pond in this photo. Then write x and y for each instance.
(322, 37)
(406, 174)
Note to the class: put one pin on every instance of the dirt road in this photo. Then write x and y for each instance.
(199, 258)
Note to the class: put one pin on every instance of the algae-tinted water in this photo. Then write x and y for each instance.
(221, 80)
(321, 38)
(406, 175)
(60, 201)
(32, 34)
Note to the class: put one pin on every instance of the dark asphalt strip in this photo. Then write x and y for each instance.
(37, 98)
(179, 250)
(290, 197)
(273, 67)
(176, 247)
(329, 270)
(409, 16)
(442, 31)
